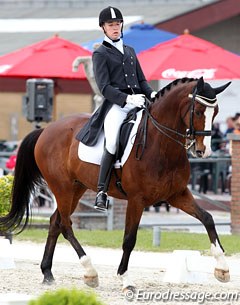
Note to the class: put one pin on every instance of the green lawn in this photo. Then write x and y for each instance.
(113, 239)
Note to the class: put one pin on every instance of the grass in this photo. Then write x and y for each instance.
(113, 239)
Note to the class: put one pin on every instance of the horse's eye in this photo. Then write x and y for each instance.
(198, 113)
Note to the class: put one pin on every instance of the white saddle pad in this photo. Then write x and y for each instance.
(93, 154)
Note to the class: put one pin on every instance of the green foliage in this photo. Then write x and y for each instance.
(169, 240)
(5, 193)
(67, 297)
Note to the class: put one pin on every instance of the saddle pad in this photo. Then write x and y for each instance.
(93, 154)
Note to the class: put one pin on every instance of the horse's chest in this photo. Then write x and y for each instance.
(175, 176)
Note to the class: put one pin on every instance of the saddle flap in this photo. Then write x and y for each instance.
(93, 154)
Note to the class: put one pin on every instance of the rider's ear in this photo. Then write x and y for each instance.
(200, 84)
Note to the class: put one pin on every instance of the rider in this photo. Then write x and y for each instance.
(122, 83)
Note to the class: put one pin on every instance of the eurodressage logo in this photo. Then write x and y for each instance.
(194, 296)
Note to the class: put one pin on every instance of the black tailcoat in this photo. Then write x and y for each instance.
(117, 75)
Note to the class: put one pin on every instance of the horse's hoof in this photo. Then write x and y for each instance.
(129, 293)
(48, 281)
(130, 287)
(91, 281)
(222, 275)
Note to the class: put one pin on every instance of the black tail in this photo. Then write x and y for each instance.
(26, 177)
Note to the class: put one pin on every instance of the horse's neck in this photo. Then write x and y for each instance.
(167, 112)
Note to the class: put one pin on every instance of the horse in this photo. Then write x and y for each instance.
(178, 121)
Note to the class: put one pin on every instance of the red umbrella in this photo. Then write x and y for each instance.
(50, 58)
(189, 56)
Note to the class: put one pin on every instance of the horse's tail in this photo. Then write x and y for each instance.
(26, 176)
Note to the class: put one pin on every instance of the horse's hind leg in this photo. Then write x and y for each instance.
(186, 202)
(53, 233)
(61, 223)
(90, 275)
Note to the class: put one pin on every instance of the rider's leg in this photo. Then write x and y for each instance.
(112, 124)
(103, 180)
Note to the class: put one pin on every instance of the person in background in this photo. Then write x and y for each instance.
(217, 137)
(230, 126)
(237, 123)
(122, 83)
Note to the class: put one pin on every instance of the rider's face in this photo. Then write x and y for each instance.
(113, 29)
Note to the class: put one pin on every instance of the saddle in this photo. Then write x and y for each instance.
(125, 131)
(127, 134)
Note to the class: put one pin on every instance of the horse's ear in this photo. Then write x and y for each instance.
(221, 89)
(200, 84)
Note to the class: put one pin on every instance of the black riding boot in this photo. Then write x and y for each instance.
(101, 202)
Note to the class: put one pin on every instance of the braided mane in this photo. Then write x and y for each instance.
(174, 83)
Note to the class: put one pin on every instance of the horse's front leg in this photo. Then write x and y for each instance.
(133, 217)
(186, 202)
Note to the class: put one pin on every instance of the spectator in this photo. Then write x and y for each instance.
(237, 123)
(217, 137)
(230, 126)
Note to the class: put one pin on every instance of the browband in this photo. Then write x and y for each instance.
(204, 100)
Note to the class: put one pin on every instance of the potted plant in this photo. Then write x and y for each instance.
(67, 297)
(5, 199)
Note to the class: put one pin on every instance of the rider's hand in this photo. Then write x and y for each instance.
(137, 100)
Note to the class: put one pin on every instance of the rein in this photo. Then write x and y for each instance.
(163, 129)
(190, 133)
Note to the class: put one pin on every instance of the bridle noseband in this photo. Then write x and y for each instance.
(204, 101)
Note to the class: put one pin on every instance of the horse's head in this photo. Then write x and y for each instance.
(199, 118)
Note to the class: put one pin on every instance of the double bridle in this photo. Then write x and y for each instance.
(191, 132)
(212, 103)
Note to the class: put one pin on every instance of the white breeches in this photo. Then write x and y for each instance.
(112, 124)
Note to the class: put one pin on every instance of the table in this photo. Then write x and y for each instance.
(217, 165)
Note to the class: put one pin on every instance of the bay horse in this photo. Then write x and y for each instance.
(180, 119)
